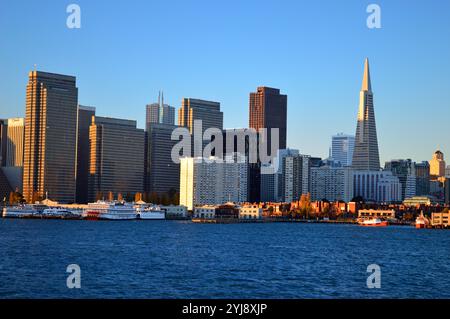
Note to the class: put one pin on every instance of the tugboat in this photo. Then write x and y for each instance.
(422, 221)
(373, 222)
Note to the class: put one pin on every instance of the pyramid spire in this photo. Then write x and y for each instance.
(366, 85)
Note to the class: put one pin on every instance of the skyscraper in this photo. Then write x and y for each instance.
(342, 147)
(422, 179)
(116, 157)
(14, 145)
(50, 137)
(268, 109)
(206, 111)
(405, 170)
(331, 183)
(437, 165)
(160, 113)
(84, 121)
(213, 181)
(295, 174)
(162, 174)
(365, 155)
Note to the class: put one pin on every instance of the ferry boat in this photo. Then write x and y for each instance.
(26, 211)
(150, 213)
(373, 222)
(94, 210)
(422, 221)
(119, 211)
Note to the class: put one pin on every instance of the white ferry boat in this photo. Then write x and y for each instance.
(150, 213)
(26, 211)
(118, 211)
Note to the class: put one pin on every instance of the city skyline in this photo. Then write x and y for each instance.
(300, 76)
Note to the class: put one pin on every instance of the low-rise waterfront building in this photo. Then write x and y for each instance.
(440, 219)
(250, 211)
(420, 201)
(175, 211)
(205, 212)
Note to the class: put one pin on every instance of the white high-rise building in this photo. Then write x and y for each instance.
(213, 181)
(294, 178)
(342, 147)
(377, 186)
(331, 183)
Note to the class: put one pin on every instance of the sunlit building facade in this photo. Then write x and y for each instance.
(50, 137)
(116, 157)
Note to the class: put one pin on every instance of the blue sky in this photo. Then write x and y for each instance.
(313, 51)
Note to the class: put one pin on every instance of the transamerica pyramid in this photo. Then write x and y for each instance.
(365, 155)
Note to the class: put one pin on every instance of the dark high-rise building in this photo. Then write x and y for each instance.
(84, 121)
(405, 170)
(5, 187)
(365, 154)
(116, 157)
(160, 113)
(50, 137)
(162, 174)
(422, 179)
(268, 109)
(3, 141)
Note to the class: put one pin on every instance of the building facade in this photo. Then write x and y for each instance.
(366, 155)
(422, 178)
(295, 177)
(206, 111)
(15, 142)
(213, 181)
(162, 174)
(377, 186)
(84, 121)
(116, 157)
(160, 113)
(342, 147)
(331, 183)
(437, 165)
(50, 137)
(405, 170)
(268, 109)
